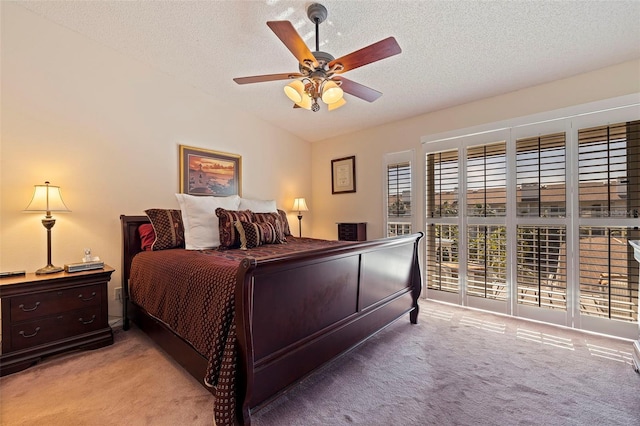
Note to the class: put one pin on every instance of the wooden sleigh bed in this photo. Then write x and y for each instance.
(294, 312)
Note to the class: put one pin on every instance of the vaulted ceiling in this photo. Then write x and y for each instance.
(453, 52)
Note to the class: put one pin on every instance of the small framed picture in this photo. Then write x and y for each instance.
(206, 172)
(343, 175)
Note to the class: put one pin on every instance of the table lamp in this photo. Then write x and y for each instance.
(47, 198)
(300, 205)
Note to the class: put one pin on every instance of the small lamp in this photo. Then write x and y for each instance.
(47, 198)
(300, 205)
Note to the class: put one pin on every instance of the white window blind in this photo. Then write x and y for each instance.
(540, 169)
(609, 170)
(487, 261)
(399, 205)
(608, 272)
(442, 184)
(486, 179)
(443, 261)
(542, 266)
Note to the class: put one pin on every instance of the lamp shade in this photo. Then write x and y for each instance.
(46, 198)
(331, 92)
(300, 205)
(336, 105)
(295, 91)
(305, 102)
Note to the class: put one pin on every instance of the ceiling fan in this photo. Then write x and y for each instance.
(319, 72)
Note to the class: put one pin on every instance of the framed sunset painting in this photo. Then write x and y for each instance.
(206, 172)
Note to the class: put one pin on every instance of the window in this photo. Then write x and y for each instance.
(540, 169)
(398, 203)
(442, 236)
(487, 261)
(609, 170)
(608, 273)
(486, 175)
(442, 184)
(542, 266)
(538, 224)
(444, 264)
(609, 187)
(399, 198)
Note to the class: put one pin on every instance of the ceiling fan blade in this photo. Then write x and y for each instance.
(366, 55)
(266, 77)
(290, 37)
(358, 90)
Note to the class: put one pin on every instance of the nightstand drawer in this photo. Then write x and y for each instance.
(45, 330)
(38, 305)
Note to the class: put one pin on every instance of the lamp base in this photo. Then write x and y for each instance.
(49, 269)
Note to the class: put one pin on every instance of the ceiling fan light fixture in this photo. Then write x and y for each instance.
(295, 91)
(336, 104)
(331, 92)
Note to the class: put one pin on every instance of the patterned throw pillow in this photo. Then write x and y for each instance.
(253, 234)
(285, 222)
(168, 227)
(273, 219)
(226, 218)
(147, 236)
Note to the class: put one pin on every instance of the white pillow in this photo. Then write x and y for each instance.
(258, 206)
(200, 220)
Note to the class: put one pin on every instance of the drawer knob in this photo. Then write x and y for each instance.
(29, 335)
(21, 306)
(93, 295)
(93, 318)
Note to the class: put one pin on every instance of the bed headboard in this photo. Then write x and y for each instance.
(131, 245)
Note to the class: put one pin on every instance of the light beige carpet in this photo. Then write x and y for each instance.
(131, 383)
(456, 367)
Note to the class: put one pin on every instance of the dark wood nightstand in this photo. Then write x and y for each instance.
(352, 231)
(44, 315)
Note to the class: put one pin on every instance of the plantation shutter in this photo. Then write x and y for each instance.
(540, 176)
(399, 206)
(542, 266)
(442, 184)
(486, 177)
(609, 170)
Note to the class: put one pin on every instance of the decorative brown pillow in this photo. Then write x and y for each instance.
(273, 219)
(253, 234)
(168, 227)
(285, 222)
(226, 218)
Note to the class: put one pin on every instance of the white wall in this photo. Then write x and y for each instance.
(370, 146)
(107, 129)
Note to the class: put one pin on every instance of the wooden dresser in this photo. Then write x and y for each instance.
(352, 231)
(44, 315)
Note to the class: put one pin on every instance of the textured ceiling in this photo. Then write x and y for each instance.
(453, 52)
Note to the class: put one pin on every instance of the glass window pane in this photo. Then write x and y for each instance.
(442, 184)
(541, 169)
(609, 170)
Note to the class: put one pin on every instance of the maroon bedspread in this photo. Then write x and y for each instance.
(192, 292)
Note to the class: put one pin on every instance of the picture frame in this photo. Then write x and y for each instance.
(343, 175)
(207, 172)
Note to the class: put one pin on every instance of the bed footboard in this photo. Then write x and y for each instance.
(295, 314)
